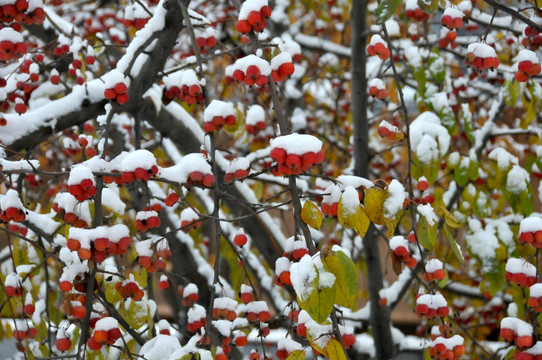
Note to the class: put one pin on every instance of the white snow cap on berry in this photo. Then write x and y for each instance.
(432, 301)
(251, 5)
(106, 323)
(535, 290)
(114, 77)
(11, 199)
(189, 215)
(255, 113)
(225, 303)
(280, 59)
(8, 34)
(240, 163)
(520, 327)
(398, 241)
(516, 266)
(138, 159)
(79, 173)
(411, 5)
(482, 50)
(282, 264)
(297, 144)
(218, 108)
(289, 345)
(354, 181)
(527, 55)
(188, 163)
(243, 64)
(453, 12)
(433, 265)
(375, 39)
(377, 83)
(143, 248)
(530, 224)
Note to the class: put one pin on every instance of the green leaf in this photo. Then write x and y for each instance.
(427, 234)
(428, 8)
(461, 175)
(467, 122)
(311, 215)
(385, 10)
(531, 110)
(510, 93)
(453, 244)
(436, 65)
(357, 220)
(473, 170)
(296, 355)
(346, 277)
(319, 303)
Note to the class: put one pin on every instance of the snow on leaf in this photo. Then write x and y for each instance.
(386, 9)
(350, 213)
(296, 355)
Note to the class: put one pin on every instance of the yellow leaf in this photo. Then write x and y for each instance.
(374, 200)
(453, 244)
(357, 220)
(450, 220)
(335, 350)
(311, 215)
(296, 355)
(315, 344)
(346, 277)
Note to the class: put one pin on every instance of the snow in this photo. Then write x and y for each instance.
(143, 248)
(106, 323)
(224, 303)
(240, 163)
(483, 243)
(297, 144)
(218, 108)
(325, 278)
(395, 199)
(257, 307)
(430, 140)
(435, 301)
(43, 222)
(453, 12)
(255, 114)
(536, 290)
(504, 158)
(159, 347)
(13, 280)
(8, 34)
(433, 265)
(188, 163)
(249, 60)
(138, 159)
(289, 345)
(375, 39)
(517, 180)
(520, 327)
(11, 199)
(530, 224)
(282, 264)
(527, 55)
(350, 201)
(112, 200)
(79, 173)
(482, 50)
(428, 213)
(378, 83)
(398, 241)
(302, 274)
(517, 266)
(280, 59)
(250, 5)
(27, 165)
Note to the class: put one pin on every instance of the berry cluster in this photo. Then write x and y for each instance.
(252, 70)
(434, 271)
(518, 331)
(414, 12)
(530, 231)
(282, 67)
(533, 353)
(295, 249)
(81, 183)
(106, 331)
(70, 210)
(151, 260)
(196, 318)
(237, 169)
(535, 297)
(527, 64)
(452, 18)
(257, 311)
(23, 330)
(521, 272)
(378, 90)
(129, 288)
(205, 39)
(447, 37)
(387, 130)
(224, 308)
(136, 16)
(171, 199)
(63, 342)
(377, 46)
(218, 114)
(253, 16)
(330, 201)
(22, 11)
(12, 45)
(183, 85)
(255, 119)
(481, 57)
(295, 153)
(532, 36)
(447, 348)
(117, 87)
(99, 242)
(13, 285)
(246, 294)
(431, 305)
(399, 248)
(282, 272)
(189, 220)
(11, 207)
(189, 294)
(146, 220)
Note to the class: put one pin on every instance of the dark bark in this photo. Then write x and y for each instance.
(380, 315)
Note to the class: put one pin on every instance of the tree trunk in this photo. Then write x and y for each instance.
(380, 315)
